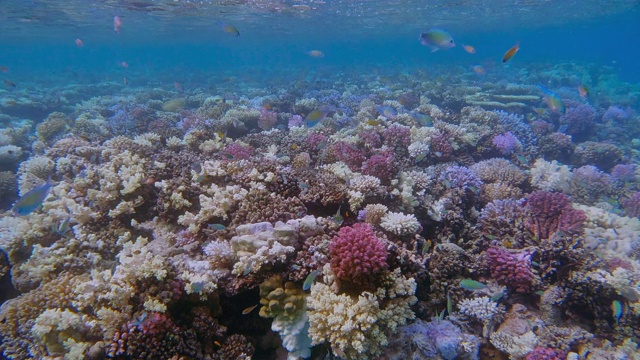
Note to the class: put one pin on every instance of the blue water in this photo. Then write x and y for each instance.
(437, 133)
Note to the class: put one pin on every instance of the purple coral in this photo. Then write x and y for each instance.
(624, 172)
(511, 268)
(589, 184)
(615, 114)
(579, 120)
(460, 177)
(506, 143)
(631, 205)
(357, 254)
(267, 119)
(295, 121)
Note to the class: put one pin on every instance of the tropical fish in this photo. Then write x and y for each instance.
(478, 69)
(423, 119)
(468, 48)
(124, 64)
(616, 308)
(32, 200)
(437, 39)
(125, 81)
(313, 118)
(249, 309)
(472, 285)
(4, 69)
(79, 42)
(337, 218)
(309, 280)
(509, 54)
(497, 296)
(217, 227)
(230, 29)
(553, 100)
(9, 83)
(117, 23)
(387, 111)
(316, 53)
(583, 91)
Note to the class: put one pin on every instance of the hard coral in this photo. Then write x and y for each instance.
(551, 212)
(357, 255)
(511, 268)
(382, 165)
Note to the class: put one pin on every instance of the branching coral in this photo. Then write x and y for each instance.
(356, 325)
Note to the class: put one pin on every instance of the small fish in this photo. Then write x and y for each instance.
(64, 227)
(423, 119)
(387, 111)
(32, 200)
(125, 81)
(313, 118)
(217, 343)
(337, 218)
(472, 285)
(216, 227)
(616, 307)
(177, 86)
(249, 309)
(426, 247)
(437, 39)
(583, 91)
(303, 185)
(4, 69)
(315, 53)
(230, 29)
(372, 122)
(449, 304)
(124, 64)
(197, 287)
(553, 100)
(309, 280)
(509, 54)
(468, 48)
(478, 69)
(117, 23)
(497, 296)
(79, 42)
(197, 168)
(9, 83)
(247, 268)
(294, 147)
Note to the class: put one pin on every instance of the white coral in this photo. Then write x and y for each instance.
(482, 308)
(550, 176)
(516, 346)
(400, 224)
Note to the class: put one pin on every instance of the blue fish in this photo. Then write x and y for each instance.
(309, 280)
(32, 200)
(313, 118)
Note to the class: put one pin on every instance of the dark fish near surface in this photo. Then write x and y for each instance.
(31, 200)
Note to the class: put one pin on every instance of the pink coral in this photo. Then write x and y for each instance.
(546, 354)
(552, 212)
(357, 254)
(631, 205)
(371, 138)
(382, 165)
(238, 152)
(347, 153)
(397, 136)
(511, 268)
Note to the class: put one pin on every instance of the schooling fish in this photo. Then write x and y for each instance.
(32, 200)
(437, 39)
(468, 48)
(553, 100)
(509, 54)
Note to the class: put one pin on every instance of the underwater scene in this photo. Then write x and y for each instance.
(320, 179)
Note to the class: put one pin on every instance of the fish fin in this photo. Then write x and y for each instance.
(434, 48)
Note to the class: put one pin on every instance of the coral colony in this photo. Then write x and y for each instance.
(423, 219)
